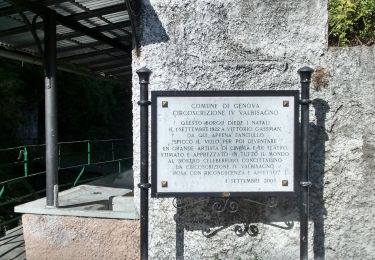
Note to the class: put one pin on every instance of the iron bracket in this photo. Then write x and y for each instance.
(305, 183)
(304, 101)
(144, 102)
(144, 185)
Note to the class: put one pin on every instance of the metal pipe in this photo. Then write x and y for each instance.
(305, 75)
(144, 185)
(88, 153)
(25, 161)
(50, 91)
(38, 61)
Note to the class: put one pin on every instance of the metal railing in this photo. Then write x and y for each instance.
(22, 169)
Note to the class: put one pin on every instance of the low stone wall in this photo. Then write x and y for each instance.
(63, 237)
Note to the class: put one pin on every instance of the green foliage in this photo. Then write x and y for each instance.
(351, 22)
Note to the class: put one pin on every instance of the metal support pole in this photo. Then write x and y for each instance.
(144, 185)
(113, 151)
(50, 89)
(88, 153)
(305, 75)
(25, 161)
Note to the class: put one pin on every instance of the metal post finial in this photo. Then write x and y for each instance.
(305, 73)
(144, 75)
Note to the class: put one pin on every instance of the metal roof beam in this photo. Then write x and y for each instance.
(38, 61)
(71, 35)
(119, 65)
(66, 21)
(105, 61)
(122, 73)
(88, 54)
(103, 28)
(7, 11)
(79, 45)
(99, 12)
(11, 10)
(97, 35)
(77, 17)
(118, 70)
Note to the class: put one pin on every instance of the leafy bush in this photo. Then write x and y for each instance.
(351, 22)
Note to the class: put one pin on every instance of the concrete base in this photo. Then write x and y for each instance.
(87, 201)
(67, 237)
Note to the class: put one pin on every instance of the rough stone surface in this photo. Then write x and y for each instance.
(245, 45)
(62, 237)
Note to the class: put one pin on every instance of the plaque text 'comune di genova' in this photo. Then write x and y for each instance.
(225, 144)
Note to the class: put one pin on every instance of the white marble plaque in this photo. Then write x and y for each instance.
(217, 144)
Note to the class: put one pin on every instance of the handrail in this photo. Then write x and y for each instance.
(66, 168)
(26, 159)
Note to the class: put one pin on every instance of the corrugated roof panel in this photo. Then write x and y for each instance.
(113, 62)
(4, 4)
(65, 43)
(99, 3)
(8, 23)
(16, 39)
(30, 39)
(122, 32)
(92, 59)
(29, 15)
(103, 47)
(110, 34)
(67, 8)
(84, 39)
(117, 17)
(71, 53)
(60, 29)
(75, 52)
(95, 21)
(61, 11)
(80, 49)
(117, 53)
(90, 24)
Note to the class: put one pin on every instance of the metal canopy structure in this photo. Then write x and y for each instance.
(92, 36)
(68, 35)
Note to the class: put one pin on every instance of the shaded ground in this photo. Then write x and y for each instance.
(12, 245)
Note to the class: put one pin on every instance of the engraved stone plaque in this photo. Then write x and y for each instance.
(223, 142)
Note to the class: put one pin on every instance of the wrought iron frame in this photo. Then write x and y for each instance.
(228, 204)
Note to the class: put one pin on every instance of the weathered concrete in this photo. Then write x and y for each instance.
(238, 45)
(93, 221)
(87, 201)
(59, 237)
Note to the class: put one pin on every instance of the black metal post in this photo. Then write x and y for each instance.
(144, 185)
(50, 91)
(305, 75)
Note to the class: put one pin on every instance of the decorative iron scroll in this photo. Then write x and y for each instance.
(230, 205)
(223, 213)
